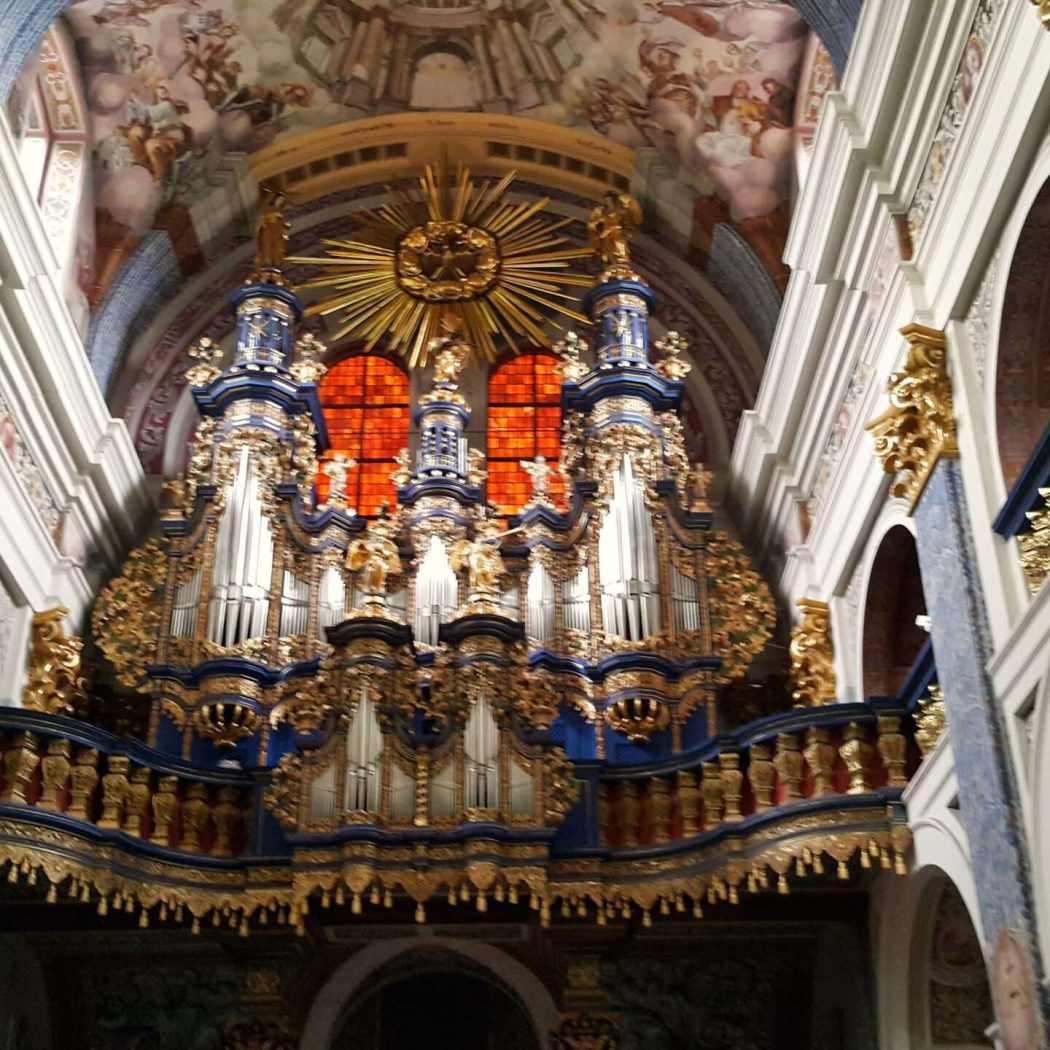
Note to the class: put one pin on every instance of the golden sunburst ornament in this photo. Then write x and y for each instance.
(456, 253)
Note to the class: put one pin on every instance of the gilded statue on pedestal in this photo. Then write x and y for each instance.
(610, 227)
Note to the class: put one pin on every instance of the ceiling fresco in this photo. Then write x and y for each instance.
(183, 92)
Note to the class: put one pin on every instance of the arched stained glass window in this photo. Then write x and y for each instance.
(524, 420)
(365, 402)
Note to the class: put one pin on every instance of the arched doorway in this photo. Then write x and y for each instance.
(438, 1000)
(892, 638)
(1022, 368)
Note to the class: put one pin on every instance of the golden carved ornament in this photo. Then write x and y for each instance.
(918, 428)
(1043, 12)
(206, 354)
(585, 1032)
(931, 720)
(126, 617)
(812, 656)
(610, 226)
(1035, 544)
(308, 366)
(451, 249)
(374, 557)
(742, 612)
(483, 561)
(55, 683)
(225, 723)
(638, 717)
(672, 365)
(271, 236)
(284, 794)
(571, 367)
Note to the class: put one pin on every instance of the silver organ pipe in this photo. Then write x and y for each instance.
(628, 570)
(323, 796)
(239, 599)
(510, 602)
(442, 793)
(402, 794)
(481, 749)
(521, 791)
(576, 601)
(295, 605)
(331, 600)
(539, 606)
(437, 592)
(685, 601)
(184, 609)
(364, 743)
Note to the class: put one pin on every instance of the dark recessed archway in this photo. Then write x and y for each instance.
(438, 1002)
(892, 639)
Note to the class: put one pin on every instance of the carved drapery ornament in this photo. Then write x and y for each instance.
(812, 656)
(55, 684)
(919, 426)
(1035, 544)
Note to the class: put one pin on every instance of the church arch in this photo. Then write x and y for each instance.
(890, 639)
(337, 996)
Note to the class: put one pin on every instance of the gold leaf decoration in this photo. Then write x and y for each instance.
(448, 250)
(126, 618)
(55, 684)
(742, 612)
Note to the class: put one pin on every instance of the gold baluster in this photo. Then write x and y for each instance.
(137, 798)
(54, 772)
(20, 762)
(659, 801)
(627, 809)
(820, 757)
(195, 814)
(732, 785)
(892, 750)
(82, 782)
(114, 790)
(226, 814)
(788, 763)
(857, 753)
(761, 774)
(165, 808)
(689, 803)
(711, 789)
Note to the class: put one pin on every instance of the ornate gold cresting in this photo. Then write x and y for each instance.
(812, 655)
(453, 248)
(55, 683)
(918, 428)
(931, 721)
(1035, 544)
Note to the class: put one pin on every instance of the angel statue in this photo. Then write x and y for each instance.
(610, 226)
(337, 469)
(271, 234)
(483, 560)
(539, 473)
(374, 557)
(571, 367)
(698, 482)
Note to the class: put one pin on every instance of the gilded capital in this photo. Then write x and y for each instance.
(812, 655)
(919, 426)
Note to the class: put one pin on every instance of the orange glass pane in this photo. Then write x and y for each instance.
(366, 409)
(524, 420)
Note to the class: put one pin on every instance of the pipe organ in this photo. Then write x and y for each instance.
(435, 666)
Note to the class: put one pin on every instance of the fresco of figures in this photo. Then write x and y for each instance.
(180, 90)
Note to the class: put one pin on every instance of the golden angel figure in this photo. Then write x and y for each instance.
(611, 225)
(271, 232)
(374, 557)
(482, 559)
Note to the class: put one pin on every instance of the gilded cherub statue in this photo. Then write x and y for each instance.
(308, 367)
(206, 354)
(610, 227)
(483, 560)
(672, 366)
(271, 235)
(374, 557)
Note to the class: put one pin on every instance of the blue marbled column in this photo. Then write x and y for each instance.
(989, 799)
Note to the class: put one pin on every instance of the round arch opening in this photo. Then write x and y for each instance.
(892, 638)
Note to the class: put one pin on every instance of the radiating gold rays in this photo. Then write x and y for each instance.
(449, 247)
